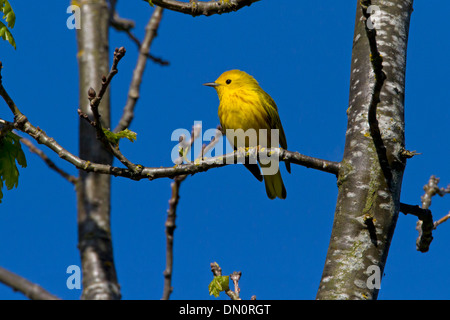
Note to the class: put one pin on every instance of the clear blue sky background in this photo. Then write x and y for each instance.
(300, 52)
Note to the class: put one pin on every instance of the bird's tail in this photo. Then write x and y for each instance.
(274, 185)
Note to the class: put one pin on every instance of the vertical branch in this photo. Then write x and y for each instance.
(133, 93)
(170, 228)
(368, 199)
(93, 190)
(173, 203)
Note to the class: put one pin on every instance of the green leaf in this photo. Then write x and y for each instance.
(10, 153)
(8, 13)
(114, 138)
(218, 284)
(149, 2)
(10, 18)
(7, 35)
(19, 154)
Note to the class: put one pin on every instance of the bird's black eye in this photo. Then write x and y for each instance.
(228, 81)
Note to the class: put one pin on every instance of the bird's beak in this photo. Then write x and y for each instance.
(211, 84)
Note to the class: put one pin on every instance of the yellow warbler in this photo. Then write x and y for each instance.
(245, 105)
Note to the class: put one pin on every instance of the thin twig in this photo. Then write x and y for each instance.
(235, 276)
(431, 189)
(148, 55)
(144, 48)
(125, 25)
(72, 179)
(28, 288)
(84, 116)
(425, 225)
(12, 106)
(114, 149)
(172, 212)
(95, 100)
(170, 228)
(119, 53)
(116, 21)
(441, 220)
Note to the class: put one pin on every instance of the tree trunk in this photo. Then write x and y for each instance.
(93, 190)
(369, 199)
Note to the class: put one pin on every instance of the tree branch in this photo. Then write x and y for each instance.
(183, 169)
(95, 245)
(235, 276)
(95, 99)
(431, 189)
(369, 191)
(171, 212)
(170, 229)
(207, 8)
(95, 102)
(238, 156)
(116, 21)
(442, 220)
(12, 106)
(133, 93)
(72, 179)
(425, 225)
(28, 288)
(125, 25)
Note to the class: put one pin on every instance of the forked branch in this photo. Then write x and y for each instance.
(425, 225)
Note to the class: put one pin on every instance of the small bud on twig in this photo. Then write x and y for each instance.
(119, 53)
(91, 93)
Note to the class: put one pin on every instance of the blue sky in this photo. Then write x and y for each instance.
(300, 52)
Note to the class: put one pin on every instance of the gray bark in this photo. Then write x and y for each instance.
(93, 190)
(368, 200)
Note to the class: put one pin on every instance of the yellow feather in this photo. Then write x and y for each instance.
(245, 105)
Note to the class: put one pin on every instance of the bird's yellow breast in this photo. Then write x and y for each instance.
(241, 110)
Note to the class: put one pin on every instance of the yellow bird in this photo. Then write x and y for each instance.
(245, 105)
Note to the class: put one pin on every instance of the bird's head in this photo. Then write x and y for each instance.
(232, 80)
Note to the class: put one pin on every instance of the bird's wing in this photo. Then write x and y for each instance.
(274, 119)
